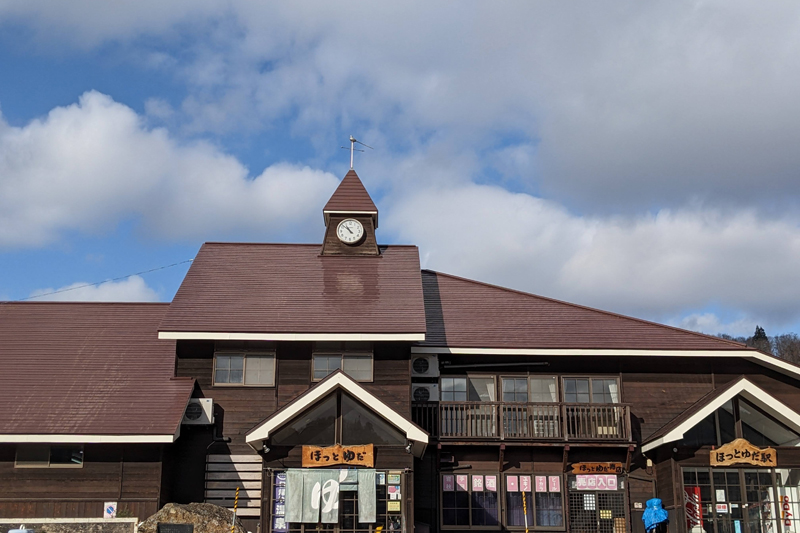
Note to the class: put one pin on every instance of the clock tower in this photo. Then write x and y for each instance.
(351, 219)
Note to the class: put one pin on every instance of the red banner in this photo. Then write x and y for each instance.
(694, 511)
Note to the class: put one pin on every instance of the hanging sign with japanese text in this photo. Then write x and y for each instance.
(338, 455)
(741, 451)
(597, 468)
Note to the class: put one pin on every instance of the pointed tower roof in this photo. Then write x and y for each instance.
(351, 198)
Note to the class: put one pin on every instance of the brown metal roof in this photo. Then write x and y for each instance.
(290, 288)
(351, 197)
(470, 314)
(87, 369)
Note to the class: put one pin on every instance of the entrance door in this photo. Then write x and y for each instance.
(597, 511)
(390, 506)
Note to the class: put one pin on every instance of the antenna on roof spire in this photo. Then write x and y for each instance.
(353, 148)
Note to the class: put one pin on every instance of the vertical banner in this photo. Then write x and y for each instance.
(491, 483)
(541, 483)
(462, 482)
(525, 483)
(555, 483)
(448, 483)
(477, 483)
(694, 511)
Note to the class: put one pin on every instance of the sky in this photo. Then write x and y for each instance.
(638, 157)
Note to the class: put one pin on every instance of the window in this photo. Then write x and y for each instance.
(472, 388)
(244, 368)
(756, 426)
(49, 456)
(540, 496)
(515, 389)
(454, 389)
(543, 390)
(591, 390)
(469, 500)
(354, 358)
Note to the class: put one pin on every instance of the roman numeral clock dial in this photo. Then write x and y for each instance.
(350, 231)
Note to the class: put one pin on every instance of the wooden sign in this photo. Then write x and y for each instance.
(741, 451)
(597, 468)
(338, 455)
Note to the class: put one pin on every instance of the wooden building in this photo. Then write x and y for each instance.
(341, 388)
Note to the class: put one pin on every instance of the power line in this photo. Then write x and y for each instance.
(101, 282)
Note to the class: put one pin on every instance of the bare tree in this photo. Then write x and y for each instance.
(787, 347)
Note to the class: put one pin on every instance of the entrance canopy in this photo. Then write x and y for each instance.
(319, 405)
(745, 389)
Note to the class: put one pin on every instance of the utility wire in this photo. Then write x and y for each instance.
(101, 282)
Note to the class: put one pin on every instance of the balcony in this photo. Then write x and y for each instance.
(491, 421)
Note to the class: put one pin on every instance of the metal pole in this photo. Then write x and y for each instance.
(235, 506)
(352, 149)
(524, 511)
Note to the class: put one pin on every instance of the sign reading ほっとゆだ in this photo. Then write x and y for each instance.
(338, 455)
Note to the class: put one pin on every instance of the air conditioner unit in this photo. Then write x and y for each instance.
(425, 392)
(199, 412)
(425, 366)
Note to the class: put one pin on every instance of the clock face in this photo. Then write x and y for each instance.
(350, 231)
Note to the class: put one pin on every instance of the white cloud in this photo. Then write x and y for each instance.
(712, 324)
(132, 289)
(89, 165)
(653, 266)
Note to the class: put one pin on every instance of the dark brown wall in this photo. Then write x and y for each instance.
(239, 409)
(130, 475)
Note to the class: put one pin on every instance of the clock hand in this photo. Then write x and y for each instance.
(348, 229)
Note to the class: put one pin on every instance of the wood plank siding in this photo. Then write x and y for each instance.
(130, 475)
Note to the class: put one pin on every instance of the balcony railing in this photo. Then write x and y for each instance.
(517, 421)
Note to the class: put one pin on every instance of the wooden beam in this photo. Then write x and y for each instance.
(565, 459)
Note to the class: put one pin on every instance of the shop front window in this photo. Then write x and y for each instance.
(470, 501)
(534, 502)
(728, 500)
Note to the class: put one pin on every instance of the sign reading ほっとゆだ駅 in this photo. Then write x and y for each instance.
(741, 451)
(338, 455)
(597, 468)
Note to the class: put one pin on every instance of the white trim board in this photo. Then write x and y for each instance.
(414, 434)
(224, 336)
(747, 390)
(779, 365)
(88, 439)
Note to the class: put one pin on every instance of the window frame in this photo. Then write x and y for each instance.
(245, 354)
(49, 456)
(563, 396)
(343, 353)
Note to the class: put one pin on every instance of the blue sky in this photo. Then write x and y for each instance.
(636, 158)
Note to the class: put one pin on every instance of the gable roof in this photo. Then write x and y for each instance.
(469, 314)
(290, 292)
(715, 399)
(339, 380)
(351, 197)
(88, 372)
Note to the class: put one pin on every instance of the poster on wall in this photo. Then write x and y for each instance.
(512, 484)
(462, 482)
(541, 483)
(477, 483)
(491, 483)
(555, 483)
(448, 483)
